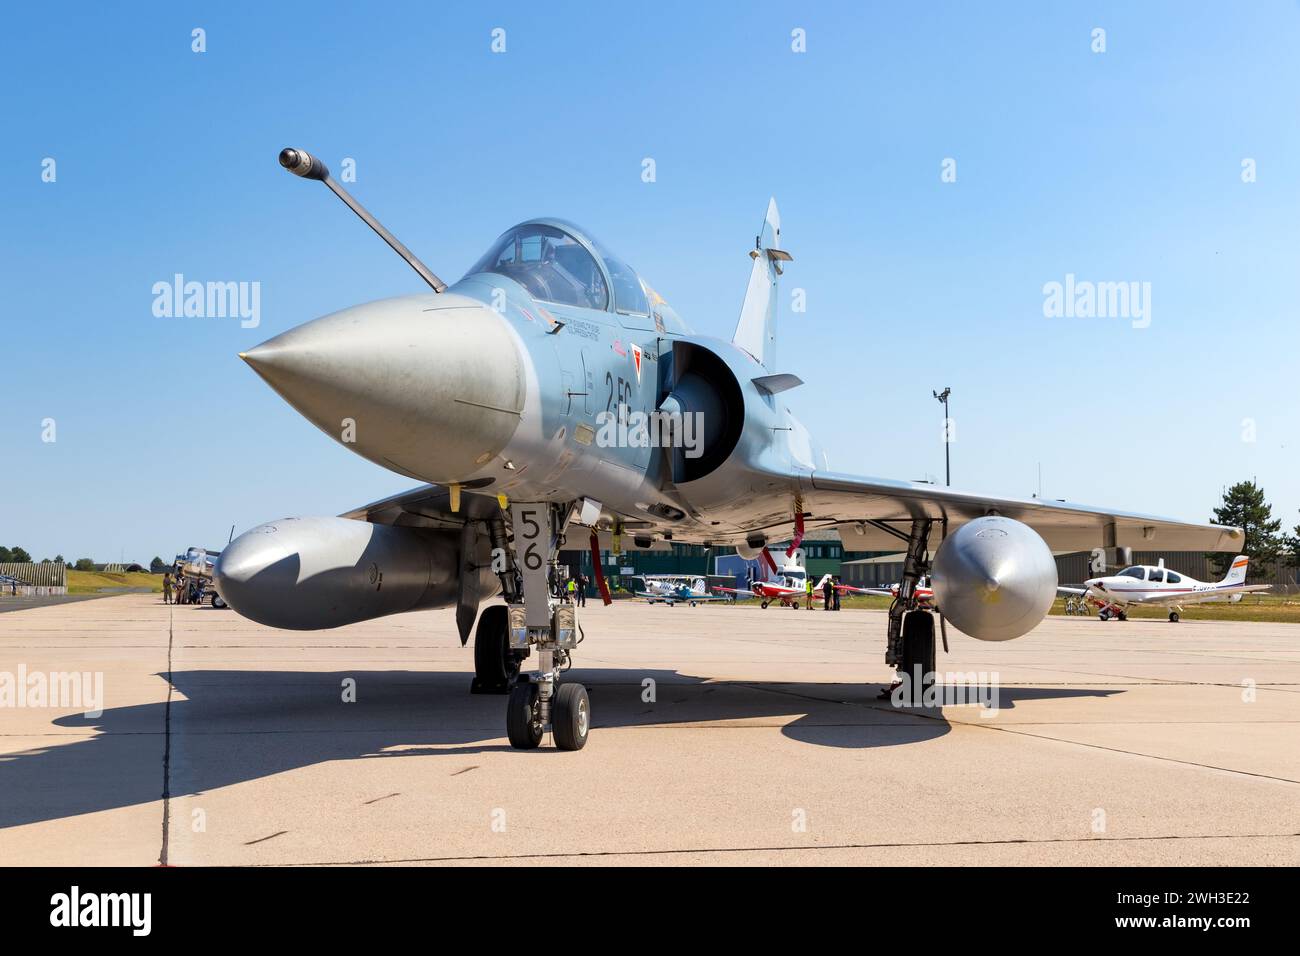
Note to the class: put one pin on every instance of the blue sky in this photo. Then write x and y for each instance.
(1116, 166)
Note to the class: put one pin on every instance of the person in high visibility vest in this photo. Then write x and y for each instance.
(573, 590)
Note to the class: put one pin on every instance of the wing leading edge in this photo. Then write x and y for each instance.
(851, 501)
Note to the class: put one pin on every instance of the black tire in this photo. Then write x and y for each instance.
(571, 717)
(496, 666)
(918, 652)
(1123, 616)
(217, 602)
(763, 605)
(524, 732)
(1173, 617)
(1104, 615)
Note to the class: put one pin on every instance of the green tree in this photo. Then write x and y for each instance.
(5, 555)
(19, 556)
(84, 564)
(58, 559)
(156, 565)
(1245, 507)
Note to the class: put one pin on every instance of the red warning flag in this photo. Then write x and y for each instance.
(596, 569)
(798, 533)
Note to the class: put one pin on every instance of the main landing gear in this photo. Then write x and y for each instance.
(535, 619)
(1173, 617)
(911, 645)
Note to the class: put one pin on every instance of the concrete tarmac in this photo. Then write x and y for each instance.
(722, 735)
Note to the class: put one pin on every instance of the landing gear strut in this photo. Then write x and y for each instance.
(911, 647)
(535, 619)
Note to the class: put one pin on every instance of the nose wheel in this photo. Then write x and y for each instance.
(571, 720)
(523, 717)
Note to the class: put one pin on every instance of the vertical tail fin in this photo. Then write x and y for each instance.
(1237, 573)
(756, 330)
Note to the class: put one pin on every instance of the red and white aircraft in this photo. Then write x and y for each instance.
(790, 589)
(1143, 584)
(924, 593)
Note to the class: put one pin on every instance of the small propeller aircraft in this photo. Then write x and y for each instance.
(673, 589)
(923, 593)
(552, 390)
(1148, 586)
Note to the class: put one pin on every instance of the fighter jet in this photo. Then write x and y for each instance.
(1155, 586)
(552, 393)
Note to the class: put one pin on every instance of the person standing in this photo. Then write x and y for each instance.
(828, 593)
(835, 601)
(167, 588)
(582, 590)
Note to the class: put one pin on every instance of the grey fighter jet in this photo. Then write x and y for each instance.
(550, 395)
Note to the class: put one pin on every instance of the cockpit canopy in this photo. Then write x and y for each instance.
(555, 265)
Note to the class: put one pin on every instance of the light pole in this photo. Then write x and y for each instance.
(947, 434)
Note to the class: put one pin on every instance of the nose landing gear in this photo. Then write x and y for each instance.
(536, 619)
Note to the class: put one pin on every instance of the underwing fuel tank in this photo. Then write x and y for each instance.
(994, 578)
(309, 573)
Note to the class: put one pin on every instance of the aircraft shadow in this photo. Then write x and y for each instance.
(224, 727)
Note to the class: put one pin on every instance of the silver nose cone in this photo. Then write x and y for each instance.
(431, 386)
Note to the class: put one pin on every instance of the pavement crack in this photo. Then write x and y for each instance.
(682, 851)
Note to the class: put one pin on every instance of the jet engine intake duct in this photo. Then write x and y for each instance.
(704, 388)
(310, 573)
(994, 578)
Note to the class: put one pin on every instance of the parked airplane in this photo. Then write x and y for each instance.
(523, 393)
(787, 589)
(923, 593)
(1143, 584)
(672, 589)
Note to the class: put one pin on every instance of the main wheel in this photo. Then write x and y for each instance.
(763, 605)
(1104, 615)
(918, 653)
(571, 717)
(522, 727)
(496, 666)
(1173, 617)
(1123, 616)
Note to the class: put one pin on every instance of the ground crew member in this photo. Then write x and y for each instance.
(573, 591)
(809, 585)
(582, 590)
(835, 603)
(167, 589)
(828, 594)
